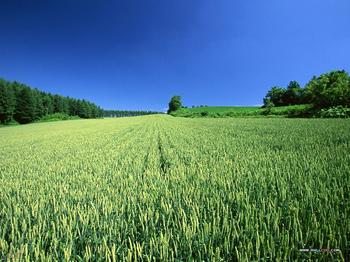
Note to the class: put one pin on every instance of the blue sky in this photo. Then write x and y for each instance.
(136, 54)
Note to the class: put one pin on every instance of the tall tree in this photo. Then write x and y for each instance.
(293, 94)
(276, 95)
(83, 109)
(60, 104)
(73, 106)
(174, 104)
(25, 108)
(39, 109)
(7, 102)
(329, 89)
(48, 104)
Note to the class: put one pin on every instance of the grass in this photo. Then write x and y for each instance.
(215, 111)
(289, 110)
(235, 111)
(57, 117)
(11, 123)
(223, 109)
(159, 188)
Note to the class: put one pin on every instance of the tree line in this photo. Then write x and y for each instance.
(21, 103)
(125, 113)
(327, 95)
(328, 90)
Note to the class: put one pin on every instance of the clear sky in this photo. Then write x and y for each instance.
(136, 54)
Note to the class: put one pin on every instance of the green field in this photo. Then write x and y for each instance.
(219, 110)
(223, 109)
(160, 188)
(239, 111)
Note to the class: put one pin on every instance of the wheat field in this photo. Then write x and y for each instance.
(159, 188)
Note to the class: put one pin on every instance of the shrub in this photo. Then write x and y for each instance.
(57, 117)
(302, 111)
(291, 111)
(268, 105)
(10, 123)
(335, 112)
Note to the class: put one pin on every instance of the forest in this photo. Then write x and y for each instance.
(22, 104)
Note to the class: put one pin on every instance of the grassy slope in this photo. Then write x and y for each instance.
(217, 110)
(223, 109)
(234, 111)
(165, 188)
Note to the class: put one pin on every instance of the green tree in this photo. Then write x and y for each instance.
(174, 104)
(7, 102)
(83, 109)
(73, 106)
(60, 104)
(39, 109)
(48, 104)
(276, 95)
(293, 94)
(25, 108)
(329, 89)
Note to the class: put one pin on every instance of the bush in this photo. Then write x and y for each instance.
(302, 111)
(291, 111)
(57, 117)
(335, 112)
(268, 105)
(10, 123)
